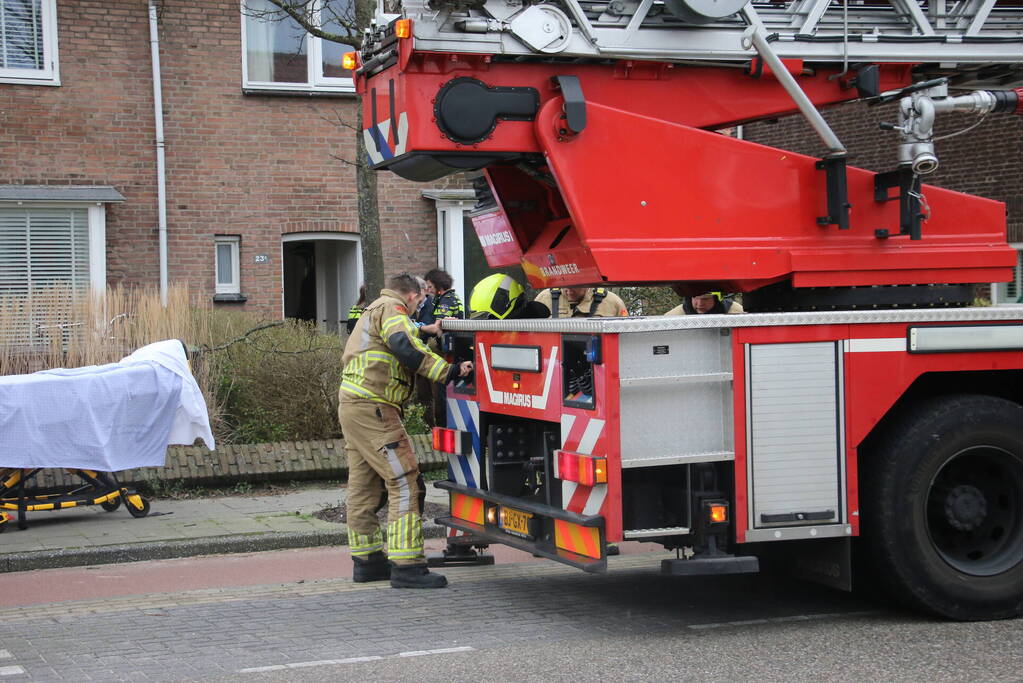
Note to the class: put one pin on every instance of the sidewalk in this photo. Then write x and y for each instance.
(180, 528)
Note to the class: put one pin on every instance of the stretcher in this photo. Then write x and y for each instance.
(92, 422)
(96, 488)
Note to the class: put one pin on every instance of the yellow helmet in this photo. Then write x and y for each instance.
(496, 295)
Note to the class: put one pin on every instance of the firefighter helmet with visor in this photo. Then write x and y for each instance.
(496, 296)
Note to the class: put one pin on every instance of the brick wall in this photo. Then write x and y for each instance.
(986, 161)
(231, 463)
(257, 166)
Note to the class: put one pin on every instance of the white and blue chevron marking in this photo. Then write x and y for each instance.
(465, 416)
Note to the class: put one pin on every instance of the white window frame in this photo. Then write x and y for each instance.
(50, 73)
(97, 218)
(998, 288)
(314, 60)
(233, 287)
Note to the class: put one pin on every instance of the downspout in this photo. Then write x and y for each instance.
(161, 166)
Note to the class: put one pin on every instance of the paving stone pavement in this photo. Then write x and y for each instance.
(178, 528)
(208, 633)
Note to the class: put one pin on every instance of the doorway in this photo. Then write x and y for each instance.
(322, 274)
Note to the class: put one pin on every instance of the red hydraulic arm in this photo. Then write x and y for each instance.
(614, 173)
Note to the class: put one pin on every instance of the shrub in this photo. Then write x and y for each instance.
(414, 419)
(648, 300)
(280, 384)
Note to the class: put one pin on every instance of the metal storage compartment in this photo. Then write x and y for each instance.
(676, 396)
(794, 437)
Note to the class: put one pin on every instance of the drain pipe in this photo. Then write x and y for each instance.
(161, 165)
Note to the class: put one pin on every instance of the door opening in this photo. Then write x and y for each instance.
(322, 274)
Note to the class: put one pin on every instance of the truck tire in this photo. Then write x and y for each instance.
(942, 507)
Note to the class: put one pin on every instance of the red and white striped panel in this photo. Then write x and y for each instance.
(580, 435)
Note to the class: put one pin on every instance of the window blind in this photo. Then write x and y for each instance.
(43, 253)
(42, 248)
(21, 34)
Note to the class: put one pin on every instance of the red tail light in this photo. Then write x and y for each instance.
(587, 470)
(452, 441)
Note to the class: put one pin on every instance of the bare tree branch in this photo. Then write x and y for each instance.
(345, 161)
(316, 17)
(341, 121)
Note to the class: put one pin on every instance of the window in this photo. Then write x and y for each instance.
(43, 247)
(28, 42)
(280, 55)
(228, 277)
(1010, 292)
(45, 251)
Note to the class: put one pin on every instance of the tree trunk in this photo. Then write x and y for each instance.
(369, 218)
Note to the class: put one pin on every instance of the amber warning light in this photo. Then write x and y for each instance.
(350, 61)
(403, 28)
(717, 513)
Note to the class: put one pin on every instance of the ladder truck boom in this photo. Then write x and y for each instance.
(601, 160)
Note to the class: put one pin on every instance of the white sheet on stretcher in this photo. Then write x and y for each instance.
(103, 417)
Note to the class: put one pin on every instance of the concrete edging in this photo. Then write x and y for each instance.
(165, 550)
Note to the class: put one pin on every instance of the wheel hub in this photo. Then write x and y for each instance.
(965, 507)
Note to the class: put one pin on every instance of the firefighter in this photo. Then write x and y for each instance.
(583, 302)
(500, 296)
(711, 302)
(380, 358)
(356, 310)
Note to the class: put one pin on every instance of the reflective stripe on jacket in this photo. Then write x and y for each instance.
(448, 305)
(354, 313)
(384, 352)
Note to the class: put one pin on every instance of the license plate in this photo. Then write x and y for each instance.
(515, 522)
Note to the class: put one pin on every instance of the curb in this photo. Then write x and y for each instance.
(165, 550)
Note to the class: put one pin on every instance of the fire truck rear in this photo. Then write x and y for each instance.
(862, 405)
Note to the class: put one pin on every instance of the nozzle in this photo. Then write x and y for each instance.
(925, 163)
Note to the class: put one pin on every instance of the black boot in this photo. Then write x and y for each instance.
(415, 576)
(373, 567)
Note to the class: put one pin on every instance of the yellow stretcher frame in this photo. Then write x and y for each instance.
(97, 488)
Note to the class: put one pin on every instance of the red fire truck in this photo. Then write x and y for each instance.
(861, 405)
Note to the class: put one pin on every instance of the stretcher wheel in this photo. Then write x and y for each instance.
(111, 505)
(138, 512)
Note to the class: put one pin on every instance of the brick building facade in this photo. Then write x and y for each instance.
(251, 168)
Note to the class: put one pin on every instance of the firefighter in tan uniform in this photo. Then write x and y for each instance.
(382, 356)
(706, 304)
(583, 302)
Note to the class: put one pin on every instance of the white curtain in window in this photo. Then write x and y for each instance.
(275, 47)
(259, 40)
(225, 264)
(21, 34)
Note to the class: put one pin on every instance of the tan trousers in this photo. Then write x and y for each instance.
(382, 466)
